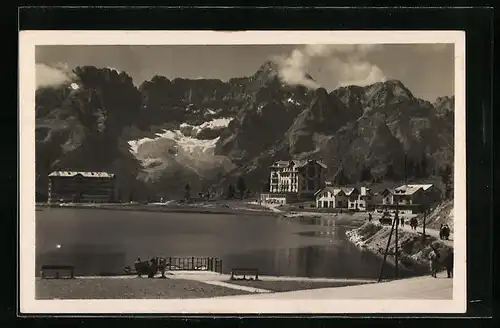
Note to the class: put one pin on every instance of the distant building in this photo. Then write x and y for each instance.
(359, 199)
(417, 194)
(411, 197)
(300, 177)
(352, 198)
(366, 199)
(330, 197)
(81, 187)
(386, 196)
(273, 198)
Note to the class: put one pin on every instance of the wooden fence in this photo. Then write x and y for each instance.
(194, 264)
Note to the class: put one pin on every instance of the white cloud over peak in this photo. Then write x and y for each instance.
(52, 76)
(347, 63)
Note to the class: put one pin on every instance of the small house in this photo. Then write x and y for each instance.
(330, 197)
(366, 199)
(387, 196)
(352, 198)
(417, 194)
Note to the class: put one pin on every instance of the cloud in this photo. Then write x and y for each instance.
(293, 69)
(361, 73)
(52, 76)
(348, 64)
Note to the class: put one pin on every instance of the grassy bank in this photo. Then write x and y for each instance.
(106, 288)
(441, 214)
(414, 249)
(288, 286)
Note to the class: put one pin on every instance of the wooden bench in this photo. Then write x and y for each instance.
(245, 272)
(57, 269)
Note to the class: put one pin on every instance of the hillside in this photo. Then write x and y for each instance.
(441, 214)
(414, 249)
(165, 133)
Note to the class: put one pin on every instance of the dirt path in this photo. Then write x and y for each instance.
(428, 232)
(424, 287)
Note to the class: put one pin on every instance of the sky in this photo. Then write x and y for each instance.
(426, 69)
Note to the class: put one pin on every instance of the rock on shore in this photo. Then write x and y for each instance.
(414, 249)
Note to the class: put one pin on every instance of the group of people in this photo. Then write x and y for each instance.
(444, 232)
(151, 267)
(413, 221)
(435, 262)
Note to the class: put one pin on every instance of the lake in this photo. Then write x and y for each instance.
(105, 241)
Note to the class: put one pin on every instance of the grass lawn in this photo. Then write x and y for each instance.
(287, 286)
(130, 288)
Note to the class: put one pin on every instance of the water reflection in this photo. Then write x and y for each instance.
(87, 259)
(103, 241)
(317, 233)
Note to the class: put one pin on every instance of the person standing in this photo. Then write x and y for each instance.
(434, 262)
(448, 262)
(138, 267)
(446, 232)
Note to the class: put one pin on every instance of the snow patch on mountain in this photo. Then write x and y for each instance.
(176, 140)
(181, 146)
(293, 101)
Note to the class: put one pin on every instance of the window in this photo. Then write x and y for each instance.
(332, 204)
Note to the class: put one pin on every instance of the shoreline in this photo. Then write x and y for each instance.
(254, 209)
(163, 208)
(413, 258)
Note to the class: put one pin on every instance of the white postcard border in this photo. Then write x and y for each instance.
(28, 304)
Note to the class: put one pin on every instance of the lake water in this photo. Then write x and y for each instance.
(105, 241)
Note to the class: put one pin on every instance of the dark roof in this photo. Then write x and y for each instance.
(298, 162)
(84, 174)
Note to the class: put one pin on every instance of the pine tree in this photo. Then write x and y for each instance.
(424, 165)
(410, 168)
(340, 178)
(418, 171)
(447, 178)
(187, 192)
(241, 186)
(366, 174)
(230, 191)
(267, 186)
(389, 172)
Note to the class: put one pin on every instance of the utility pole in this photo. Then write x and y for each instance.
(425, 218)
(386, 252)
(395, 224)
(396, 253)
(406, 181)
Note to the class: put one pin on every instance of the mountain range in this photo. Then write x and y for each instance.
(164, 134)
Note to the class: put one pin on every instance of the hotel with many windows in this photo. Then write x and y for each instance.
(301, 178)
(81, 187)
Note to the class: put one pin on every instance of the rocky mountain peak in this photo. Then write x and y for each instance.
(445, 103)
(370, 125)
(268, 67)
